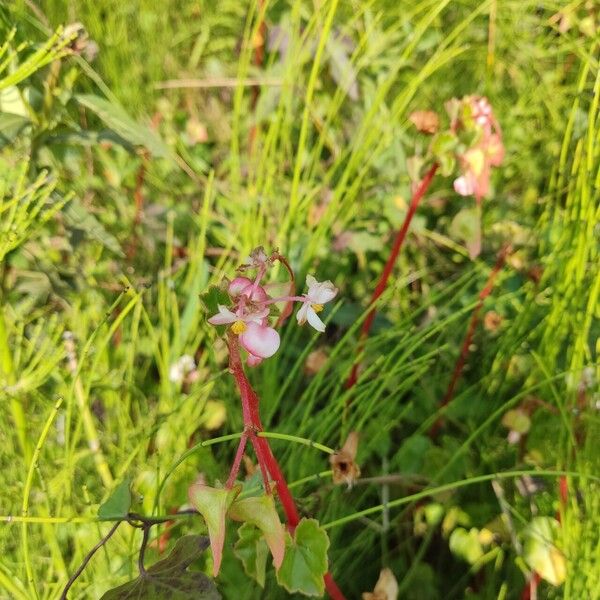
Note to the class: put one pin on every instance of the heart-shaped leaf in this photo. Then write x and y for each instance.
(169, 579)
(213, 504)
(118, 503)
(305, 561)
(261, 512)
(252, 550)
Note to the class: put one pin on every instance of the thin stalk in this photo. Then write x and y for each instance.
(16, 406)
(464, 351)
(91, 433)
(26, 492)
(389, 266)
(87, 559)
(235, 468)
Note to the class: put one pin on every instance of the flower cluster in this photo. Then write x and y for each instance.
(473, 117)
(248, 316)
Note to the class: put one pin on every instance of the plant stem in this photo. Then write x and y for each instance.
(235, 468)
(16, 405)
(266, 460)
(389, 265)
(87, 559)
(464, 351)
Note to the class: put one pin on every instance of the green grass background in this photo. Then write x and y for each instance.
(318, 155)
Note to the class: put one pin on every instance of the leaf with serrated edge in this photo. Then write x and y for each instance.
(261, 512)
(305, 561)
(252, 550)
(212, 504)
(169, 578)
(118, 503)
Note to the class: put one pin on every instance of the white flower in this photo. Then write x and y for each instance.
(318, 294)
(178, 370)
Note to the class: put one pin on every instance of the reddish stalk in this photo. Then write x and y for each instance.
(464, 351)
(389, 265)
(237, 461)
(266, 460)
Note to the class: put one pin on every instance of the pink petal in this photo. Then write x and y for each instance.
(253, 361)
(259, 340)
(223, 317)
(243, 285)
(238, 285)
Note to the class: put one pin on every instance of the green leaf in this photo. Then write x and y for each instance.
(169, 579)
(117, 119)
(78, 217)
(261, 512)
(443, 142)
(305, 561)
(211, 299)
(540, 551)
(252, 550)
(411, 454)
(11, 126)
(118, 503)
(213, 504)
(466, 544)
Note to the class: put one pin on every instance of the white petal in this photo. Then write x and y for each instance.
(464, 186)
(302, 313)
(314, 320)
(223, 317)
(325, 292)
(259, 340)
(311, 281)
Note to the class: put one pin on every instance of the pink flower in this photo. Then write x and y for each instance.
(260, 340)
(242, 286)
(318, 294)
(488, 151)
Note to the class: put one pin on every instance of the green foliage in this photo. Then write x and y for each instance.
(305, 561)
(118, 503)
(170, 579)
(117, 119)
(253, 551)
(260, 511)
(213, 504)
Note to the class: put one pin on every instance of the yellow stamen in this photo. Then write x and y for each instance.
(317, 307)
(238, 327)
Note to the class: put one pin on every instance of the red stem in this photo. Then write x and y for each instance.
(266, 460)
(389, 265)
(235, 467)
(464, 351)
(332, 588)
